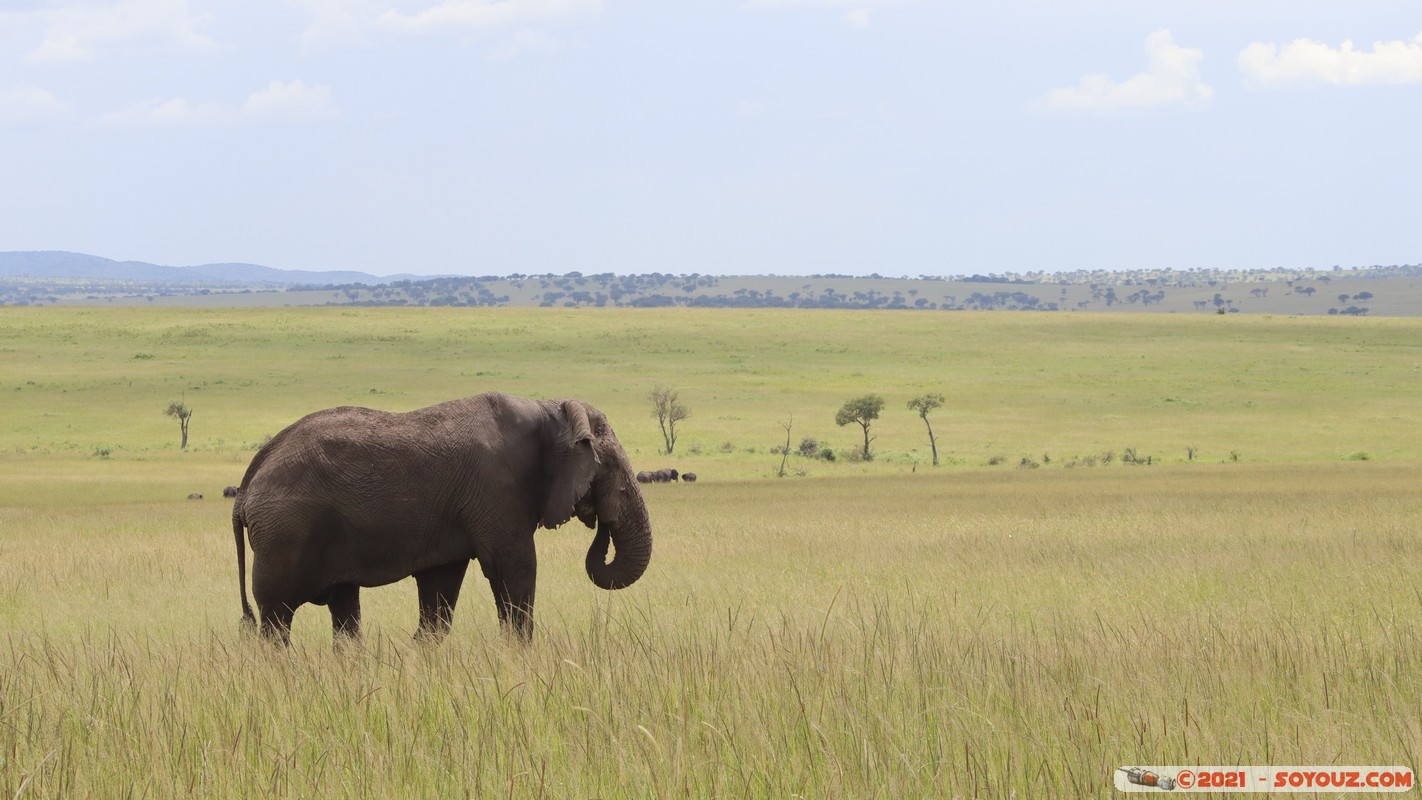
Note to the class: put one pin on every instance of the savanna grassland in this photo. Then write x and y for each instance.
(859, 629)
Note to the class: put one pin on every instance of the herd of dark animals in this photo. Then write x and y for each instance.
(665, 476)
(230, 491)
(656, 476)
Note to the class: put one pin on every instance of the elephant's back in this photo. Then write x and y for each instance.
(336, 441)
(306, 435)
(351, 446)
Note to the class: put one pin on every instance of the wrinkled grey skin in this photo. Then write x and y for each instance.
(352, 497)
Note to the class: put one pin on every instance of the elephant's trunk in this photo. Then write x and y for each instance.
(632, 538)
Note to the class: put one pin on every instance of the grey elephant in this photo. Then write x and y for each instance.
(688, 477)
(644, 477)
(664, 475)
(352, 497)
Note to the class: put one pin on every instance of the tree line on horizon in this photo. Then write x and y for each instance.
(1032, 291)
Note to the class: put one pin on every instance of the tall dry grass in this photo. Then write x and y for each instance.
(984, 634)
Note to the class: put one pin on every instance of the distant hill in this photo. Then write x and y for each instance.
(58, 264)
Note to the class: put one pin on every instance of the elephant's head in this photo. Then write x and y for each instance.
(588, 474)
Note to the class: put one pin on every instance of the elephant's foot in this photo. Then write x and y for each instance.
(276, 626)
(517, 621)
(347, 643)
(430, 637)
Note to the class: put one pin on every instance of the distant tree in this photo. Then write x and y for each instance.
(669, 410)
(785, 452)
(862, 411)
(923, 404)
(183, 415)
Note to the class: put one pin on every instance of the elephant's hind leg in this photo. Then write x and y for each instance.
(439, 591)
(344, 604)
(276, 623)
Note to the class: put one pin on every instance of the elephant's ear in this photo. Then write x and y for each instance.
(569, 461)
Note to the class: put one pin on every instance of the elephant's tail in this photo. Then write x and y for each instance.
(239, 526)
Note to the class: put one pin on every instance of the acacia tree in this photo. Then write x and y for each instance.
(924, 404)
(785, 454)
(669, 410)
(862, 411)
(183, 414)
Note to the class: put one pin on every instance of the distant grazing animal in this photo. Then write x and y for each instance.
(195, 496)
(689, 477)
(664, 475)
(644, 477)
(351, 497)
(230, 491)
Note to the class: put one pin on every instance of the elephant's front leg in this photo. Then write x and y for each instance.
(512, 573)
(439, 591)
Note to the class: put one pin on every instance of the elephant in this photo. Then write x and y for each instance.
(688, 477)
(230, 491)
(353, 497)
(644, 477)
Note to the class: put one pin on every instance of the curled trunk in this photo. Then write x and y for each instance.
(631, 539)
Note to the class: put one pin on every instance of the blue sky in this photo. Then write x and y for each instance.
(903, 137)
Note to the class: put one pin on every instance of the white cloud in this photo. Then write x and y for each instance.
(279, 102)
(84, 31)
(25, 104)
(290, 102)
(337, 22)
(1171, 80)
(1304, 61)
(524, 42)
(857, 13)
(462, 15)
(175, 113)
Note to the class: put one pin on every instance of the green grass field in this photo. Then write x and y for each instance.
(880, 629)
(77, 382)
